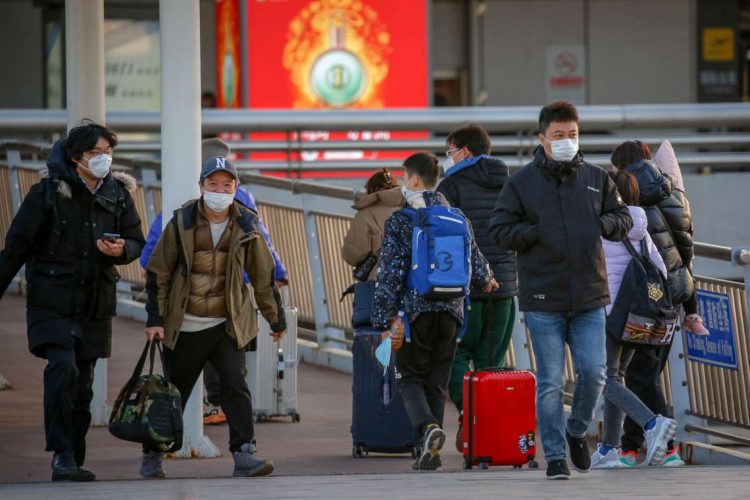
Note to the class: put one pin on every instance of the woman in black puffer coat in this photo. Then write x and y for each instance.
(670, 226)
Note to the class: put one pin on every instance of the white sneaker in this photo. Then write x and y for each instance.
(657, 438)
(610, 460)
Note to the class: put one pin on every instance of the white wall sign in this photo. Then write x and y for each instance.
(566, 73)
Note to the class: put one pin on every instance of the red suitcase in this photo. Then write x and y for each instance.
(499, 418)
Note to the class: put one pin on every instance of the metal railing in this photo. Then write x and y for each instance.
(700, 132)
(308, 221)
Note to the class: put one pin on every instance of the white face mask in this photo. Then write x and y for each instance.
(218, 202)
(99, 165)
(564, 149)
(448, 163)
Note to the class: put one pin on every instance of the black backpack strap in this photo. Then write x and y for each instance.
(633, 252)
(178, 239)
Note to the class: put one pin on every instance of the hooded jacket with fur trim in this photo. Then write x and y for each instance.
(54, 234)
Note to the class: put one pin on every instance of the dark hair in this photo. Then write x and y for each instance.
(630, 152)
(426, 166)
(558, 111)
(627, 186)
(208, 96)
(380, 180)
(472, 137)
(84, 137)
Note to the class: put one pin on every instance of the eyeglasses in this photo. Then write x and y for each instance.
(95, 152)
(450, 152)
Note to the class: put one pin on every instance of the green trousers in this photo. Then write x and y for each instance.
(485, 342)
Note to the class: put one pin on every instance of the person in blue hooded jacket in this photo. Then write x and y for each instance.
(473, 181)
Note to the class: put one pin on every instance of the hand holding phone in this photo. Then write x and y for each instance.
(111, 244)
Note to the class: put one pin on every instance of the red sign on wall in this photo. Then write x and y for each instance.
(307, 54)
(331, 54)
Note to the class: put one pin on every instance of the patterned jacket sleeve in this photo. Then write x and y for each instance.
(391, 281)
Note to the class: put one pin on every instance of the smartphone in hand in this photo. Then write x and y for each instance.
(111, 237)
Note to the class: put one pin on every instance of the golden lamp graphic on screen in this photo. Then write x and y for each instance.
(337, 55)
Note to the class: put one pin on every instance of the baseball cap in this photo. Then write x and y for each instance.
(216, 164)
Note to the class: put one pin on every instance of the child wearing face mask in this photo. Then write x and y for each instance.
(423, 362)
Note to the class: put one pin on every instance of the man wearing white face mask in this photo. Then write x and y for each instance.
(72, 229)
(553, 213)
(199, 305)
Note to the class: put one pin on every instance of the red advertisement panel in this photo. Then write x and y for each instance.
(338, 54)
(228, 54)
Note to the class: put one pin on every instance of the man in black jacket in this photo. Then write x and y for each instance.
(553, 212)
(472, 183)
(72, 229)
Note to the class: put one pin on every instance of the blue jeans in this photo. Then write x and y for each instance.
(584, 332)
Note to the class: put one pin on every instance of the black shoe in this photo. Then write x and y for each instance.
(64, 468)
(558, 469)
(579, 453)
(432, 442)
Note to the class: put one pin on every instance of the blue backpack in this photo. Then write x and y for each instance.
(440, 253)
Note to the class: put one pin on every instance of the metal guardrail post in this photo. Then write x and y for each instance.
(14, 163)
(681, 392)
(100, 409)
(148, 181)
(320, 308)
(520, 344)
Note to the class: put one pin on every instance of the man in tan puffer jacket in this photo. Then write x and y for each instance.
(199, 305)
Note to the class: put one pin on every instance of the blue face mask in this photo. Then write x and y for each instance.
(383, 353)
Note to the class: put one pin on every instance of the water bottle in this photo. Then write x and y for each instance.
(397, 332)
(280, 364)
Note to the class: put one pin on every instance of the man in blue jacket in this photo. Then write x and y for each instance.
(216, 147)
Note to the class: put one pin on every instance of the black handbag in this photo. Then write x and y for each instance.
(148, 409)
(363, 270)
(364, 294)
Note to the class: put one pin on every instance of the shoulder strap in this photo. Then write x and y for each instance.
(631, 249)
(178, 240)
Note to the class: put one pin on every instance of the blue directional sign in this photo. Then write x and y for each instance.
(718, 348)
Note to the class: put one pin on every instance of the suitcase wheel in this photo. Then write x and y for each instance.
(296, 417)
(484, 466)
(359, 451)
(533, 464)
(516, 466)
(467, 465)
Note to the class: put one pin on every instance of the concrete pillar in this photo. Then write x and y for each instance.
(180, 145)
(84, 72)
(84, 60)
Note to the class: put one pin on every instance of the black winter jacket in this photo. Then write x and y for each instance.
(553, 214)
(669, 224)
(54, 233)
(475, 190)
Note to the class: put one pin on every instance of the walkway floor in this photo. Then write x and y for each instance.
(313, 458)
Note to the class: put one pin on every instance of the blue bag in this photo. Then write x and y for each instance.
(440, 253)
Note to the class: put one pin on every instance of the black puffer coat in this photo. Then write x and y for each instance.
(72, 286)
(669, 224)
(475, 190)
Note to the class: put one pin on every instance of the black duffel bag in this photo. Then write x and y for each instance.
(148, 409)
